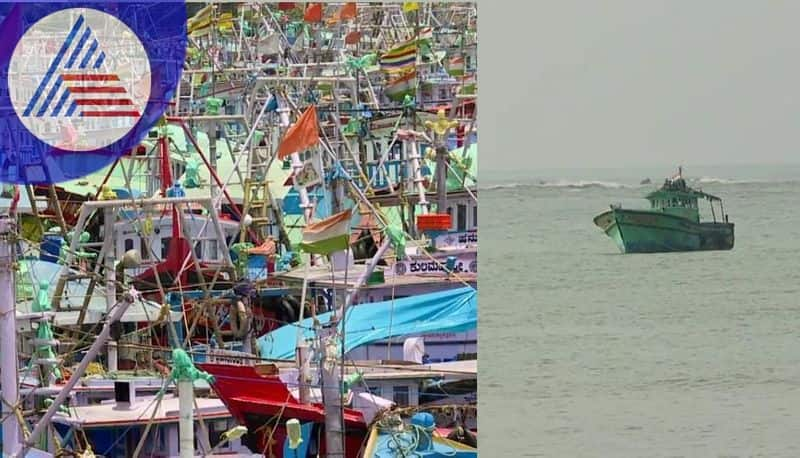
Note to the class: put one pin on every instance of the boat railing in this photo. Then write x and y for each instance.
(382, 174)
(233, 357)
(393, 171)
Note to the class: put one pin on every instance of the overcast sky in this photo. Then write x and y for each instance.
(576, 83)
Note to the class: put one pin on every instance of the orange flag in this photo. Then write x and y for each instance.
(348, 11)
(301, 135)
(313, 13)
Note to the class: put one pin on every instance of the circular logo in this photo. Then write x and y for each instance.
(79, 79)
(81, 84)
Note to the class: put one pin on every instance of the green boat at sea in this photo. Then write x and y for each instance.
(672, 223)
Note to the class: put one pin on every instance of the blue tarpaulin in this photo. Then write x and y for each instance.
(454, 310)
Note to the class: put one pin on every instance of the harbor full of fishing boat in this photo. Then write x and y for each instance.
(284, 266)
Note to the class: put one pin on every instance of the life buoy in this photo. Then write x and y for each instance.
(240, 320)
(289, 305)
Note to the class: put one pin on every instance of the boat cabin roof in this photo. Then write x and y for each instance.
(108, 414)
(679, 189)
(320, 276)
(399, 370)
(75, 292)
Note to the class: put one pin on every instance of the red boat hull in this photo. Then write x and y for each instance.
(263, 404)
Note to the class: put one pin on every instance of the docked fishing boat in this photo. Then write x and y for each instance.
(116, 427)
(261, 400)
(263, 397)
(394, 436)
(672, 223)
(257, 394)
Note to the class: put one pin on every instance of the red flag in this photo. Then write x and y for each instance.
(285, 6)
(348, 11)
(303, 134)
(313, 13)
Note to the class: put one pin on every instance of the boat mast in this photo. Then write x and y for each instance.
(8, 345)
(332, 358)
(441, 127)
(332, 336)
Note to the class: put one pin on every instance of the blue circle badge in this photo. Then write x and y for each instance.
(82, 83)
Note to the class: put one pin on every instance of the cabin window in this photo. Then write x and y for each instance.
(396, 151)
(162, 442)
(145, 248)
(213, 250)
(443, 94)
(128, 244)
(215, 431)
(462, 218)
(400, 395)
(165, 246)
(198, 250)
(475, 216)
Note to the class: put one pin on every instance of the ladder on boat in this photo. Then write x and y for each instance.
(51, 210)
(258, 201)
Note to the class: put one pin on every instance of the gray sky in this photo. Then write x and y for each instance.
(576, 83)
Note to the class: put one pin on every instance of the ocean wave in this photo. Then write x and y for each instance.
(714, 180)
(561, 184)
(598, 184)
(711, 180)
(581, 184)
(495, 187)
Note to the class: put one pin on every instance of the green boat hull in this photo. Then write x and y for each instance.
(642, 231)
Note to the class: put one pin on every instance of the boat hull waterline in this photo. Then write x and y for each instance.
(642, 231)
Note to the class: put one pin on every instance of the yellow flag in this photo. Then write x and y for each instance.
(410, 6)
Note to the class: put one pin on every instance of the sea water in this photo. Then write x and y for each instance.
(586, 352)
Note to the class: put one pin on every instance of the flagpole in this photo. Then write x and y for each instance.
(297, 167)
(302, 346)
